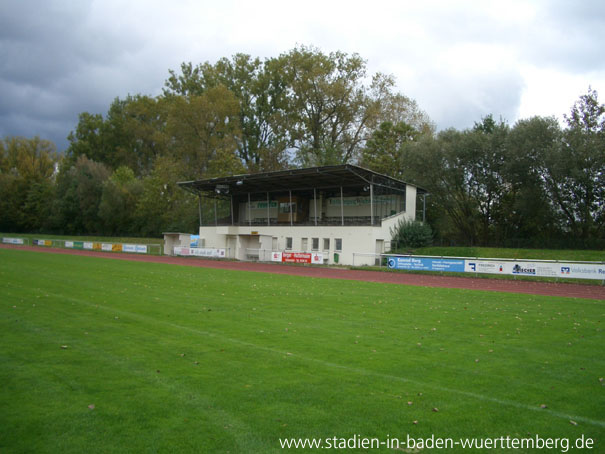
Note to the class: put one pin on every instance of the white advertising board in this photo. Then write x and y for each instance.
(541, 269)
(129, 247)
(69, 244)
(141, 248)
(200, 252)
(87, 245)
(12, 240)
(106, 247)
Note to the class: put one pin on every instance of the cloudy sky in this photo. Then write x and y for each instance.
(460, 60)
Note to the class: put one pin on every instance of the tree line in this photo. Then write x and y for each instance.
(533, 183)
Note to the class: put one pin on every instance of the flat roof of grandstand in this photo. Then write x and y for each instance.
(346, 175)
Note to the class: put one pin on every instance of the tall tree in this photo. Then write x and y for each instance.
(117, 209)
(385, 150)
(79, 193)
(163, 205)
(577, 171)
(27, 168)
(529, 213)
(131, 134)
(261, 144)
(483, 158)
(204, 130)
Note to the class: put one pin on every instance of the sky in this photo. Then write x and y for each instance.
(460, 60)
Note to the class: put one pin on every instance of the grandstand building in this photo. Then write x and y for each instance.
(328, 213)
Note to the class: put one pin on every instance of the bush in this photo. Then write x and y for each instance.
(411, 234)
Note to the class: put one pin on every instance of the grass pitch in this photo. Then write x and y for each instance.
(100, 355)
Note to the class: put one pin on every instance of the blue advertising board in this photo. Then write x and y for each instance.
(426, 264)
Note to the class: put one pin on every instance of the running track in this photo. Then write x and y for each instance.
(422, 280)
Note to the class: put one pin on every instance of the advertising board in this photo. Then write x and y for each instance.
(540, 269)
(200, 252)
(426, 264)
(129, 247)
(302, 257)
(12, 240)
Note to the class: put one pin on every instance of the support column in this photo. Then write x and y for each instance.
(315, 204)
(371, 204)
(232, 215)
(291, 217)
(342, 208)
(215, 215)
(249, 212)
(199, 207)
(268, 212)
(423, 207)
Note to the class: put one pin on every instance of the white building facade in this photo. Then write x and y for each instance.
(341, 214)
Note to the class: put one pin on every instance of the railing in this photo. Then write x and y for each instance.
(261, 255)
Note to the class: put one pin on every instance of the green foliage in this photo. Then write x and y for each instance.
(79, 193)
(386, 149)
(411, 234)
(27, 169)
(162, 205)
(117, 209)
(204, 130)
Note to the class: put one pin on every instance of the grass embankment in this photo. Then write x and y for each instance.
(181, 359)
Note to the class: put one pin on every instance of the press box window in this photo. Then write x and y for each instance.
(338, 244)
(289, 243)
(326, 244)
(315, 244)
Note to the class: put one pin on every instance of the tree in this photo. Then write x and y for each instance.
(131, 134)
(79, 192)
(384, 151)
(576, 174)
(163, 205)
(203, 130)
(529, 212)
(261, 144)
(27, 168)
(117, 209)
(483, 156)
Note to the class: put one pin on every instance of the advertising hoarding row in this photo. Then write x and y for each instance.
(107, 247)
(507, 267)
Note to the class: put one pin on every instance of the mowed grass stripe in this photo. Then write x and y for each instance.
(218, 336)
(246, 391)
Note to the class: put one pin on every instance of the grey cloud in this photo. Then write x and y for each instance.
(459, 102)
(568, 36)
(56, 61)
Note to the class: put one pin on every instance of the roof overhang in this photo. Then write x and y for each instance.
(293, 180)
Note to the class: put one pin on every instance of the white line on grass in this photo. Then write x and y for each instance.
(510, 403)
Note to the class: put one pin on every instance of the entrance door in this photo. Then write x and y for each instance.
(379, 250)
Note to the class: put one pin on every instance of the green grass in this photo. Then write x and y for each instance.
(505, 253)
(183, 359)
